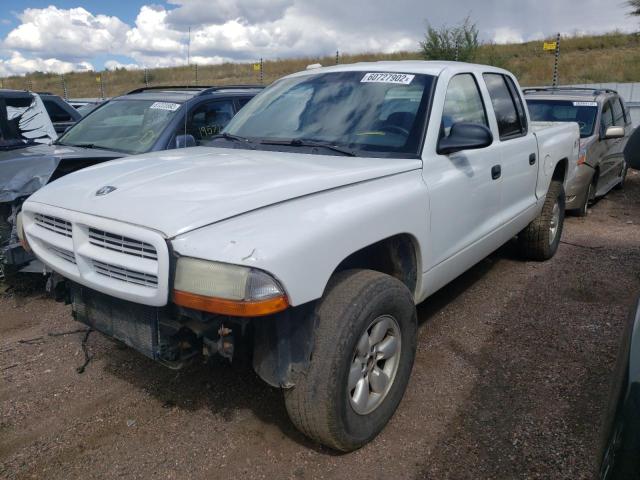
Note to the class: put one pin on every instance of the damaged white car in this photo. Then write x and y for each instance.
(332, 204)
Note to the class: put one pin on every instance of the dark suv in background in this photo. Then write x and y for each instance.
(144, 120)
(605, 127)
(61, 113)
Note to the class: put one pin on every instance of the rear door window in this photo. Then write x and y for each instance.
(505, 107)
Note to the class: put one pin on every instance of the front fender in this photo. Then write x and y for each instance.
(302, 241)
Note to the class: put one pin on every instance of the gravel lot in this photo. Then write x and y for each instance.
(511, 381)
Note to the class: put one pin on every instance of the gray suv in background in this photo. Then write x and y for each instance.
(605, 127)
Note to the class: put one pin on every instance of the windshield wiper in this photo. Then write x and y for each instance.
(234, 138)
(299, 142)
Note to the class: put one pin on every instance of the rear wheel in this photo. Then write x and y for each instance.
(540, 239)
(365, 343)
(589, 197)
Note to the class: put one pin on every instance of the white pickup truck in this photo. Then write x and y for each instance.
(333, 203)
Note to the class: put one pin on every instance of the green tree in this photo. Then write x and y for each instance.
(458, 42)
(635, 7)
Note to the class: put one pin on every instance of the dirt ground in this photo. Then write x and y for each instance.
(511, 381)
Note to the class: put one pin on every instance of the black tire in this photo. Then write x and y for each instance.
(589, 197)
(319, 405)
(536, 241)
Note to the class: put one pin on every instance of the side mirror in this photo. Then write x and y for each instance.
(465, 136)
(614, 132)
(185, 141)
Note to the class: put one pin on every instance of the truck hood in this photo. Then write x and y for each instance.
(177, 191)
(25, 170)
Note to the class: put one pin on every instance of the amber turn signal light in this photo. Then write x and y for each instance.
(234, 308)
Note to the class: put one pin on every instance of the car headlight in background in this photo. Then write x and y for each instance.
(226, 289)
(582, 158)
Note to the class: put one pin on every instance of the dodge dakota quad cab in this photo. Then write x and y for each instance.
(331, 205)
(144, 120)
(605, 127)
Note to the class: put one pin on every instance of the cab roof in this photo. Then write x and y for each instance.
(434, 68)
(568, 93)
(179, 94)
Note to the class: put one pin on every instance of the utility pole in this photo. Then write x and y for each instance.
(146, 77)
(196, 69)
(261, 71)
(555, 66)
(337, 57)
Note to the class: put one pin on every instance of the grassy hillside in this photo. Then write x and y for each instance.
(613, 57)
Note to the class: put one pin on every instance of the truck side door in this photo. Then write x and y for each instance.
(517, 146)
(464, 197)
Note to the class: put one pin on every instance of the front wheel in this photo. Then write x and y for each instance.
(364, 348)
(540, 239)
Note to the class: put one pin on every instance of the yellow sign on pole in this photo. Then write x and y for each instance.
(256, 67)
(550, 46)
(98, 78)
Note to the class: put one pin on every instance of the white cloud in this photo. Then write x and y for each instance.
(201, 12)
(507, 35)
(245, 30)
(74, 33)
(17, 64)
(114, 64)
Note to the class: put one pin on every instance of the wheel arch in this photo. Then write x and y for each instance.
(398, 256)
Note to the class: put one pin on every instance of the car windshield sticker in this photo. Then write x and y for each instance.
(172, 107)
(397, 78)
(585, 104)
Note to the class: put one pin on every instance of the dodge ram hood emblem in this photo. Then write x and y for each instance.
(105, 190)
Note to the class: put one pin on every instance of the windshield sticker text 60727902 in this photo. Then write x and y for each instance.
(397, 78)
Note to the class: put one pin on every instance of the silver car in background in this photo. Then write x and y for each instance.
(605, 127)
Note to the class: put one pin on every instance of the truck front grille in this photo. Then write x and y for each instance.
(54, 224)
(63, 254)
(115, 258)
(125, 274)
(125, 245)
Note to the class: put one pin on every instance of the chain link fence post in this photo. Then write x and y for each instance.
(557, 61)
(63, 82)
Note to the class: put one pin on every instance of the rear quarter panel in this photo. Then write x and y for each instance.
(556, 142)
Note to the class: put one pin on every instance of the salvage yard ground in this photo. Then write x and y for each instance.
(511, 380)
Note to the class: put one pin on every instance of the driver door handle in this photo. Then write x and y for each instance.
(496, 171)
(532, 159)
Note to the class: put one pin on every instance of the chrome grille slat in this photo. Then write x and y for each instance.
(119, 243)
(53, 224)
(125, 274)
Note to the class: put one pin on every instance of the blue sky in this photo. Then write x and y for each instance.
(62, 35)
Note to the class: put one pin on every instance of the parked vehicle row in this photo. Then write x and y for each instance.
(144, 120)
(605, 127)
(308, 230)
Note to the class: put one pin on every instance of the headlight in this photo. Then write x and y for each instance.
(226, 289)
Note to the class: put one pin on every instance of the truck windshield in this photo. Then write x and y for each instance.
(128, 126)
(361, 113)
(583, 113)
